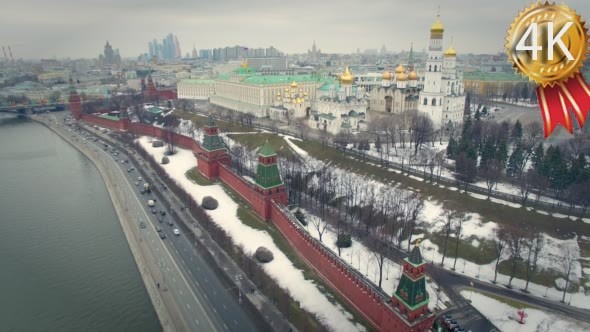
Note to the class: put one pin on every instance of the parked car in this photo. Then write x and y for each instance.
(158, 229)
(136, 183)
(170, 223)
(154, 211)
(139, 178)
(142, 224)
(176, 232)
(162, 235)
(162, 212)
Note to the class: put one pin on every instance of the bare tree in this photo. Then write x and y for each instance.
(534, 245)
(422, 129)
(515, 242)
(459, 220)
(491, 173)
(320, 226)
(568, 260)
(447, 217)
(500, 244)
(525, 184)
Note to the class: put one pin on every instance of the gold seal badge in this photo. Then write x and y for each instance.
(548, 43)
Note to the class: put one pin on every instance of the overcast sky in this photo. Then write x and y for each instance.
(79, 28)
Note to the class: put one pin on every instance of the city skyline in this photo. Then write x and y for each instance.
(295, 26)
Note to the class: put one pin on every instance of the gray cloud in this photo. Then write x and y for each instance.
(80, 28)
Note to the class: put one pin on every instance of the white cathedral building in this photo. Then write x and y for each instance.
(443, 96)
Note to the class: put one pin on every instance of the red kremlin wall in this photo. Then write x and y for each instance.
(372, 304)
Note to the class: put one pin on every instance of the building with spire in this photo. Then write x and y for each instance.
(213, 152)
(315, 53)
(109, 54)
(75, 101)
(443, 96)
(410, 300)
(269, 184)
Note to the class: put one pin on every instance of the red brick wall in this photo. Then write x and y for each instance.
(237, 183)
(368, 303)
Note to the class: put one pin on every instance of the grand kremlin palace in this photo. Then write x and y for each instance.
(245, 90)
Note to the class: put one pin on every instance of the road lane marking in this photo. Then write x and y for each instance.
(188, 306)
(225, 326)
(196, 321)
(224, 307)
(180, 291)
(214, 310)
(174, 280)
(214, 293)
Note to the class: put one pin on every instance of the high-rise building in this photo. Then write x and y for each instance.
(151, 50)
(195, 54)
(109, 54)
(178, 52)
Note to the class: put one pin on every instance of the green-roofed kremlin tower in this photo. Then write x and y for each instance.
(75, 102)
(213, 151)
(411, 298)
(268, 181)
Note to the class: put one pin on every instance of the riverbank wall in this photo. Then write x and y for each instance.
(146, 263)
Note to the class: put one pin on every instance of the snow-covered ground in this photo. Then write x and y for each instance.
(281, 269)
(505, 317)
(365, 261)
(480, 229)
(550, 259)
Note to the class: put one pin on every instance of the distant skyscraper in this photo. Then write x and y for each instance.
(151, 50)
(109, 54)
(195, 54)
(178, 53)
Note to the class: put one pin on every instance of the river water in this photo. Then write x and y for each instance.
(64, 261)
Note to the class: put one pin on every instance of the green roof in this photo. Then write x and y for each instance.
(492, 76)
(329, 87)
(155, 110)
(266, 150)
(326, 116)
(415, 256)
(346, 125)
(197, 81)
(110, 117)
(268, 176)
(284, 79)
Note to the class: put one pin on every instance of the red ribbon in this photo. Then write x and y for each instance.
(556, 102)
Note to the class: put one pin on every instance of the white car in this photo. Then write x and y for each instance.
(139, 178)
(176, 232)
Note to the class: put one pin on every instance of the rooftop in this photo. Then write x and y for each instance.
(492, 76)
(266, 150)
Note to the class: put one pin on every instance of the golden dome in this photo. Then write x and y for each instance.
(402, 76)
(413, 75)
(450, 52)
(244, 64)
(387, 75)
(278, 93)
(437, 27)
(346, 77)
(399, 69)
(294, 84)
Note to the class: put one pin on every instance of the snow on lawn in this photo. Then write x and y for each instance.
(430, 219)
(505, 316)
(281, 269)
(365, 261)
(549, 259)
(295, 148)
(587, 271)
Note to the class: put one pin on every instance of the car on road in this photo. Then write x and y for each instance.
(170, 223)
(162, 235)
(154, 211)
(158, 229)
(136, 183)
(142, 225)
(139, 178)
(176, 232)
(142, 191)
(162, 212)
